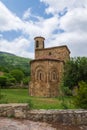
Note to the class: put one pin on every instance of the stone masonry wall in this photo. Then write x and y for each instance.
(14, 110)
(59, 53)
(75, 117)
(46, 87)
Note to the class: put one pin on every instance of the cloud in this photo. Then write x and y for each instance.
(42, 26)
(27, 14)
(75, 21)
(1, 36)
(55, 6)
(18, 46)
(75, 41)
(8, 20)
(73, 24)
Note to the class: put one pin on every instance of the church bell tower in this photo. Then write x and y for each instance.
(39, 42)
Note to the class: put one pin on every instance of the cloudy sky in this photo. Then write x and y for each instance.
(61, 22)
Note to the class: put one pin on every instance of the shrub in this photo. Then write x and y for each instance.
(3, 81)
(81, 98)
(26, 80)
(75, 70)
(17, 74)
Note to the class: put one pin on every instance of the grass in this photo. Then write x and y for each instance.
(21, 96)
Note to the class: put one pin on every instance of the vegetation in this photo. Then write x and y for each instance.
(8, 62)
(75, 71)
(16, 70)
(17, 74)
(81, 97)
(21, 96)
(75, 76)
(3, 81)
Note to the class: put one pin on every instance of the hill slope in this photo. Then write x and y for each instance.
(10, 61)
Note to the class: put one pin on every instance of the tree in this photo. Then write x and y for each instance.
(26, 80)
(81, 98)
(17, 74)
(10, 79)
(75, 71)
(3, 81)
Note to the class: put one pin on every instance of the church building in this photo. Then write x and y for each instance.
(47, 69)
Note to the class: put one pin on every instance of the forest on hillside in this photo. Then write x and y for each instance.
(14, 69)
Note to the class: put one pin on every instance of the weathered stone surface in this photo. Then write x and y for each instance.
(12, 124)
(74, 117)
(14, 110)
(47, 86)
(59, 53)
(59, 116)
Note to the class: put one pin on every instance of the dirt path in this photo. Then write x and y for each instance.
(14, 124)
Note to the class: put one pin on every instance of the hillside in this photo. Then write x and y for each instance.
(10, 61)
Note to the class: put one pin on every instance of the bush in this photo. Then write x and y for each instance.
(3, 81)
(75, 70)
(26, 80)
(64, 90)
(18, 75)
(81, 98)
(11, 81)
(67, 91)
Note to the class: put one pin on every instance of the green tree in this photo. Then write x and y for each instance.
(10, 79)
(17, 74)
(26, 80)
(81, 98)
(3, 81)
(75, 71)
(3, 69)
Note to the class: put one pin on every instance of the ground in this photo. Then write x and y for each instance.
(22, 96)
(16, 124)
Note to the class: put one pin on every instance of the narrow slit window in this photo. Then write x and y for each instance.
(40, 76)
(37, 44)
(54, 76)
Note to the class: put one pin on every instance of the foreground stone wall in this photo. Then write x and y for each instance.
(14, 110)
(75, 117)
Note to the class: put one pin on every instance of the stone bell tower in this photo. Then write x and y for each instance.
(39, 42)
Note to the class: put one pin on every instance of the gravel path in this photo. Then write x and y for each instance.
(14, 124)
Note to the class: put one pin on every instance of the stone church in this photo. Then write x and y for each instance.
(47, 69)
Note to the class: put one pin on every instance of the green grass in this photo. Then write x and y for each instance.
(21, 96)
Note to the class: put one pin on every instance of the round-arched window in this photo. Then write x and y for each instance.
(53, 75)
(40, 74)
(37, 44)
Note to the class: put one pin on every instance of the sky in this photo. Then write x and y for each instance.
(60, 22)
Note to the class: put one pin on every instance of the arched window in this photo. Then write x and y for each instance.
(43, 44)
(40, 75)
(37, 44)
(54, 76)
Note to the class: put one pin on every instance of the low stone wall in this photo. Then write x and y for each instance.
(14, 110)
(75, 117)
